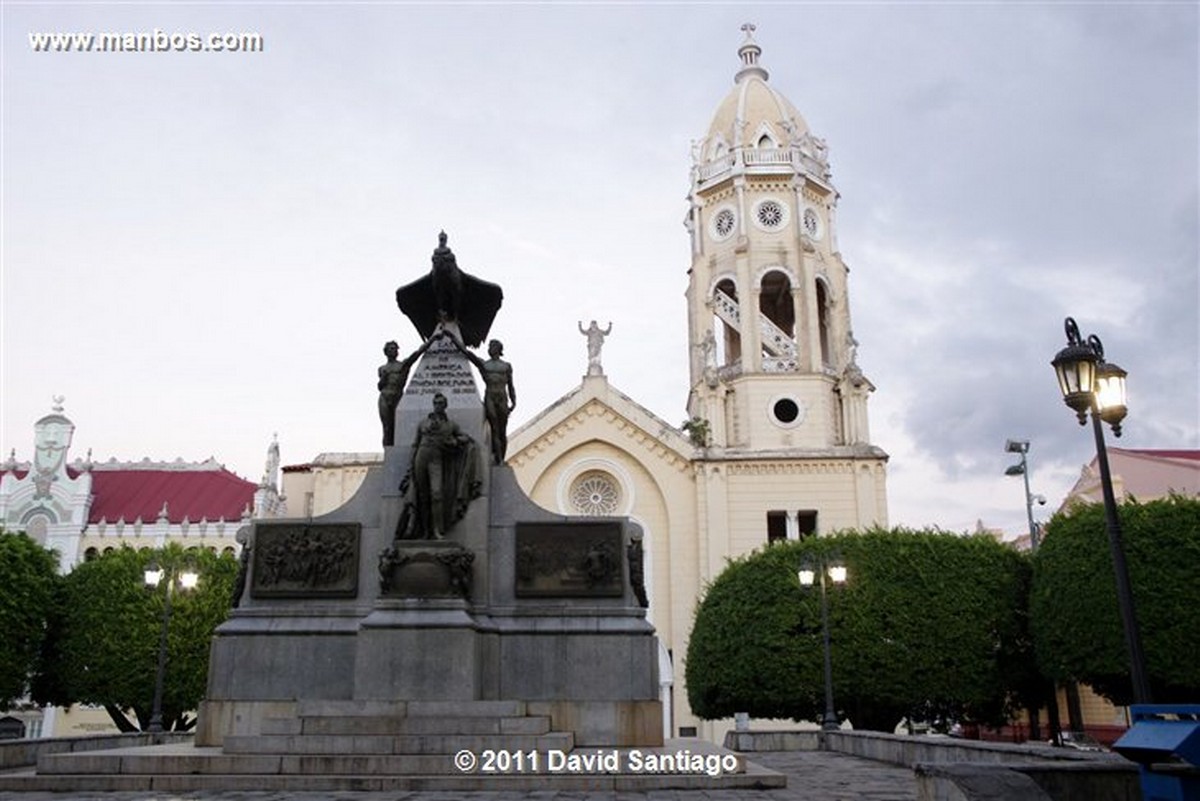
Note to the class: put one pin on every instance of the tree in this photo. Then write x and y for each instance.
(929, 624)
(27, 575)
(103, 647)
(1077, 627)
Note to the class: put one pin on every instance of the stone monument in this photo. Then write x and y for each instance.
(440, 581)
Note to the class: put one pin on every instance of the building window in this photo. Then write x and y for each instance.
(812, 224)
(723, 224)
(823, 323)
(786, 410)
(776, 303)
(782, 526)
(727, 320)
(90, 554)
(770, 214)
(595, 493)
(777, 526)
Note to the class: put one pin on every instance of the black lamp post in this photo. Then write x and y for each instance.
(186, 578)
(837, 574)
(1089, 383)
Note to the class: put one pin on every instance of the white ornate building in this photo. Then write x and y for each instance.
(778, 444)
(81, 509)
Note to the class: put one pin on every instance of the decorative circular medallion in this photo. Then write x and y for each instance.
(595, 493)
(37, 527)
(723, 223)
(812, 224)
(770, 215)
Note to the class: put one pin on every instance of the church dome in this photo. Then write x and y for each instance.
(754, 125)
(752, 103)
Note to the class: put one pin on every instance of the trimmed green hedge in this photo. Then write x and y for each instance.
(929, 624)
(1076, 621)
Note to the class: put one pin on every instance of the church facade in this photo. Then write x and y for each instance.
(777, 445)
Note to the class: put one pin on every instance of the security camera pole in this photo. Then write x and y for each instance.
(1022, 469)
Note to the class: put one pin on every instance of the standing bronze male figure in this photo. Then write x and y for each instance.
(499, 394)
(442, 479)
(393, 375)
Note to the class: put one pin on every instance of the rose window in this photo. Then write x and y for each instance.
(723, 223)
(770, 214)
(596, 494)
(812, 225)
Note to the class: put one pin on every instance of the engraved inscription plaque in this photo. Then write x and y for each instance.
(570, 559)
(298, 560)
(442, 370)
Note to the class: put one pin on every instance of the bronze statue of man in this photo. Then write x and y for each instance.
(499, 394)
(393, 375)
(442, 480)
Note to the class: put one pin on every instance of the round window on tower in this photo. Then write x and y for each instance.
(787, 411)
(770, 215)
(723, 224)
(812, 224)
(595, 493)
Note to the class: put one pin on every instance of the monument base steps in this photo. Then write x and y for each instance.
(414, 762)
(396, 745)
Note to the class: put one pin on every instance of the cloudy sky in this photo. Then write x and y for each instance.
(201, 249)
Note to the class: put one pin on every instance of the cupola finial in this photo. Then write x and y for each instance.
(749, 53)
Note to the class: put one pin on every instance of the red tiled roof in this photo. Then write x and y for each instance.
(1163, 454)
(194, 494)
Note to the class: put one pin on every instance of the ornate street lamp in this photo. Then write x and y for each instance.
(186, 579)
(1089, 383)
(808, 574)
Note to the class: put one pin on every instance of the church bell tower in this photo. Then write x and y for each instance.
(775, 388)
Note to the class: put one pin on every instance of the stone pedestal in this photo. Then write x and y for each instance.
(417, 649)
(516, 604)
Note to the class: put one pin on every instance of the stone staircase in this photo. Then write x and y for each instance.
(381, 746)
(775, 341)
(416, 736)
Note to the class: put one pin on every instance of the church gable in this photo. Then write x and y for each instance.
(596, 411)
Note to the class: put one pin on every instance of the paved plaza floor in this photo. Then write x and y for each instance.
(812, 776)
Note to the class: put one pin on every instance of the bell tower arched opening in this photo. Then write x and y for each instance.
(823, 323)
(777, 320)
(725, 317)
